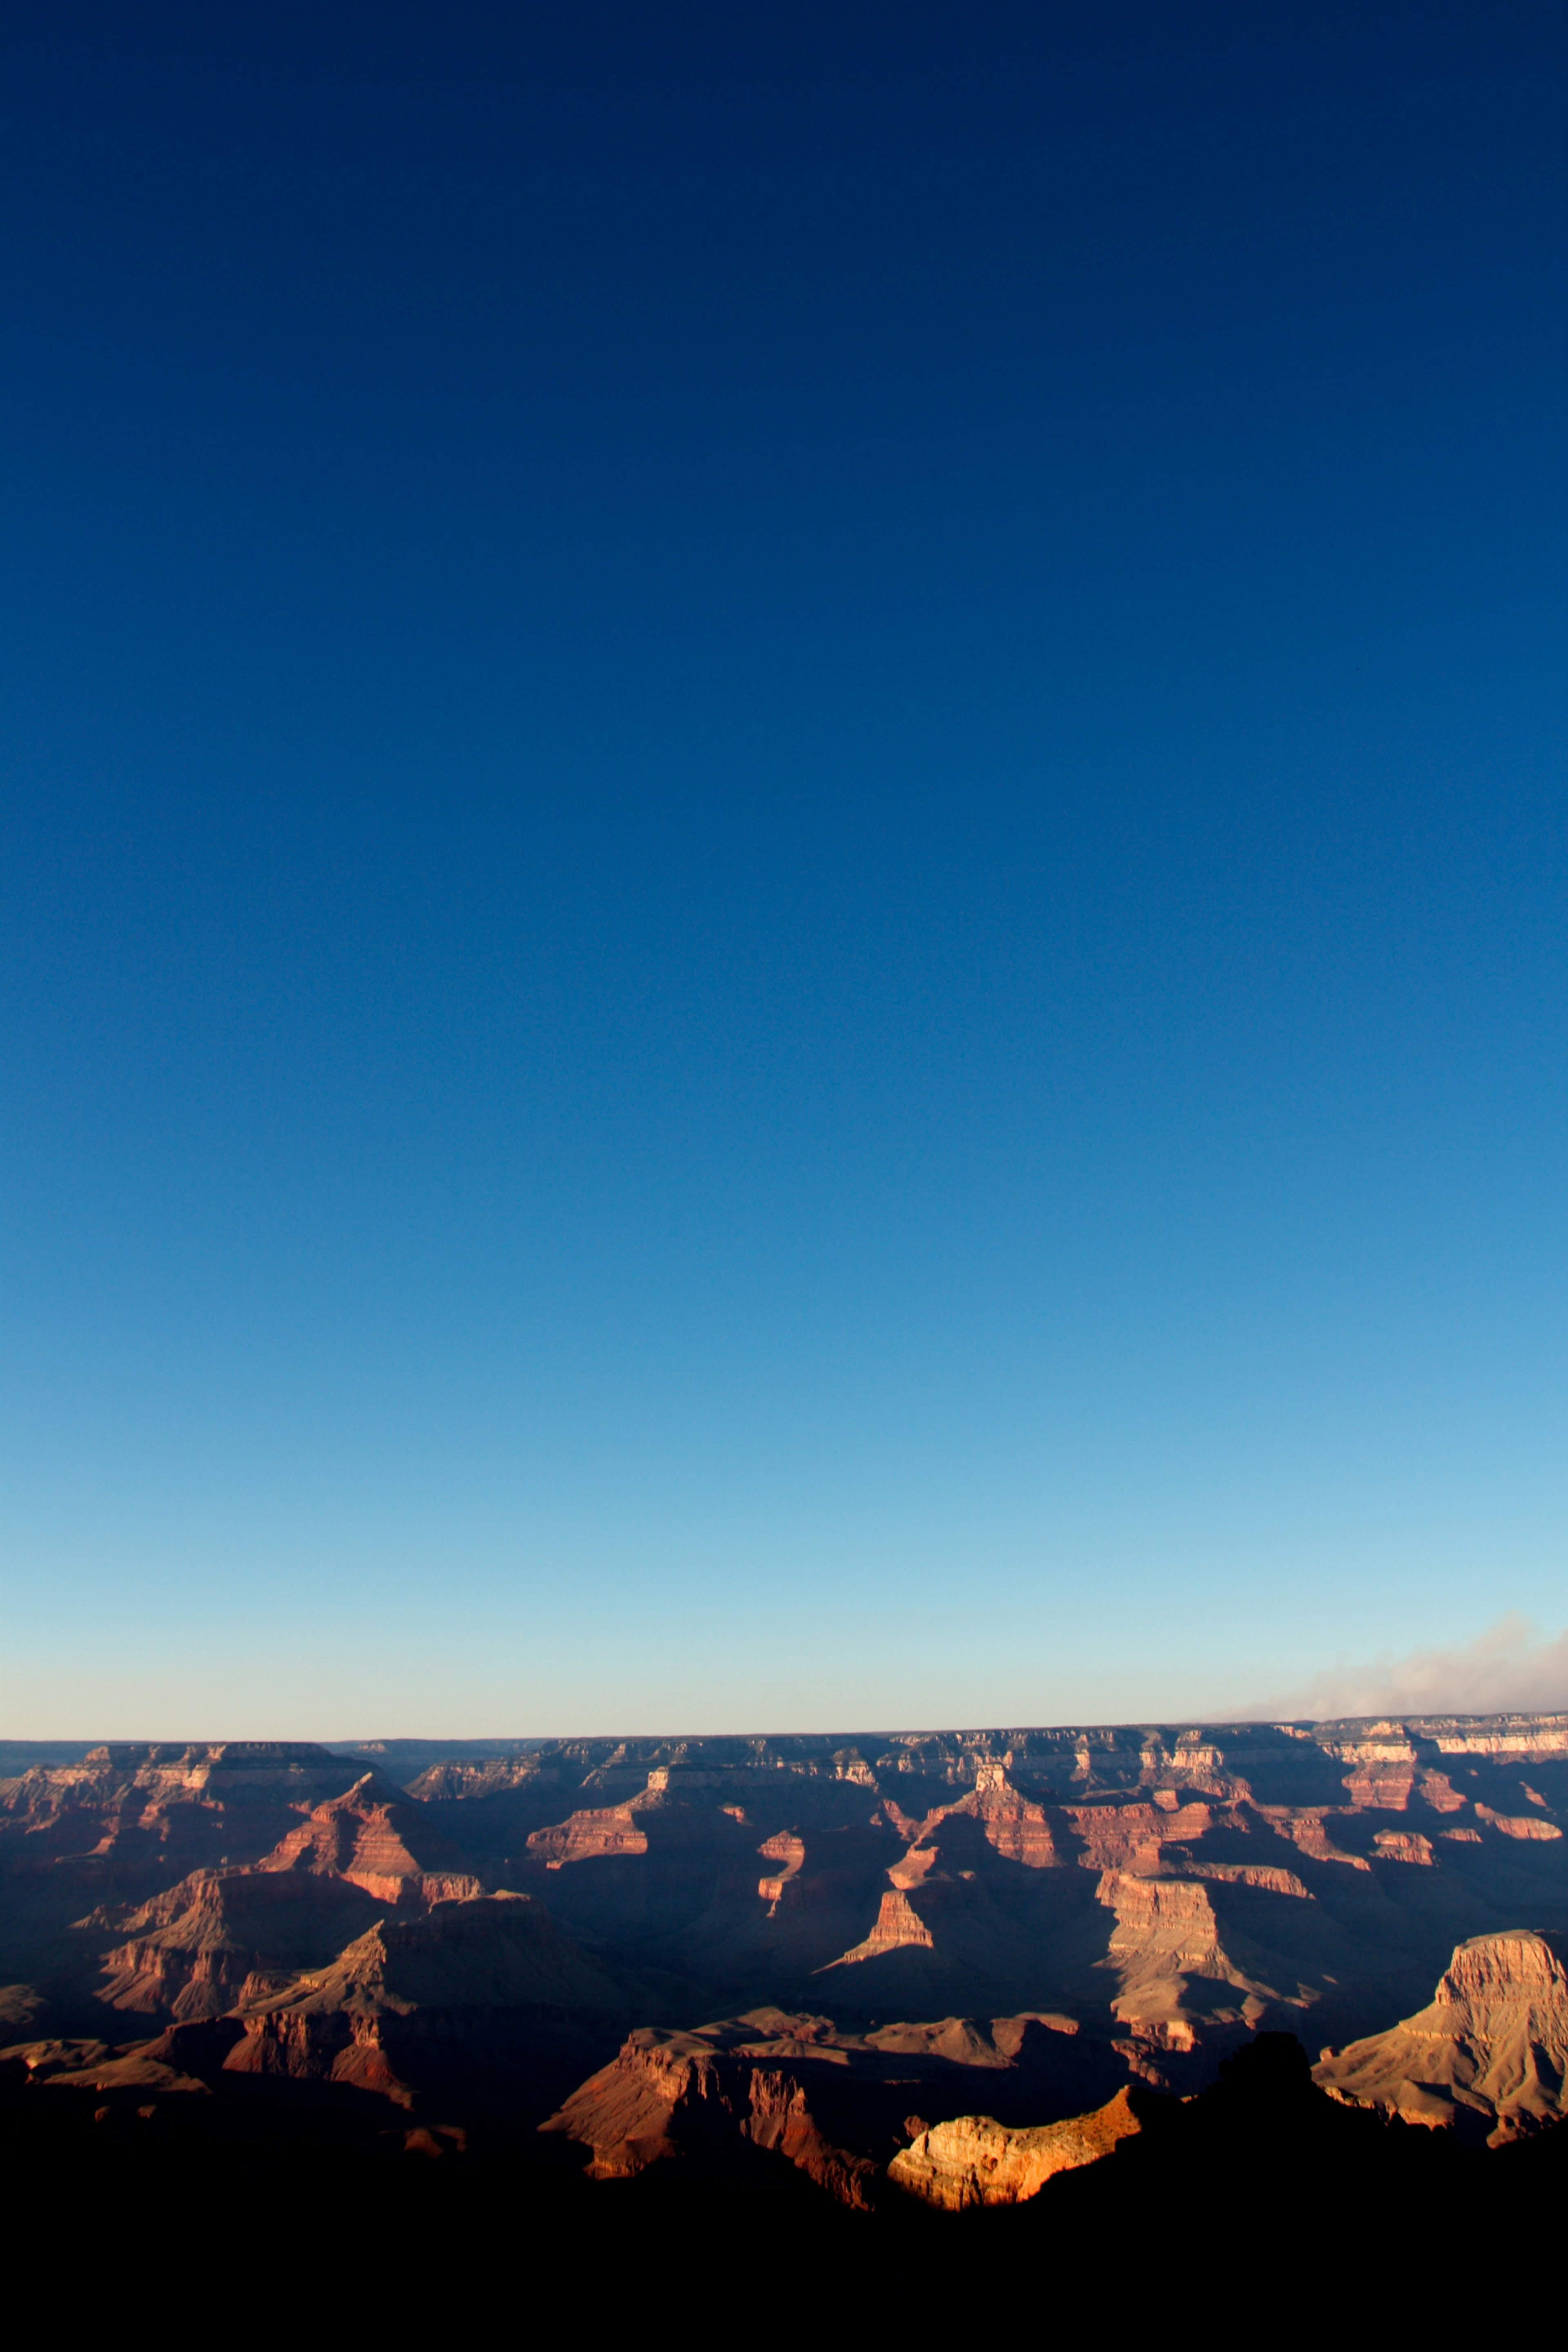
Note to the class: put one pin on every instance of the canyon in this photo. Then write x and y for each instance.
(914, 1974)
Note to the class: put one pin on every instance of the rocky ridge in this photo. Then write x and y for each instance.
(975, 2160)
(834, 2104)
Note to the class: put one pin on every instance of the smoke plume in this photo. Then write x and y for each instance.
(1509, 1669)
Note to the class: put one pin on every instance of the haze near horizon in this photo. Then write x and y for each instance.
(785, 866)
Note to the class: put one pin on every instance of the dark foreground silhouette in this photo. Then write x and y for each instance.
(1261, 2198)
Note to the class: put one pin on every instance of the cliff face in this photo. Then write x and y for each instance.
(1164, 1950)
(834, 2104)
(1487, 2057)
(671, 2094)
(375, 1838)
(227, 1797)
(194, 1951)
(975, 2160)
(589, 1836)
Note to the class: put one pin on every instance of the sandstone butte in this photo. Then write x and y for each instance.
(667, 2094)
(376, 1838)
(975, 2160)
(1488, 2056)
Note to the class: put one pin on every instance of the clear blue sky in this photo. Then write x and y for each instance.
(784, 880)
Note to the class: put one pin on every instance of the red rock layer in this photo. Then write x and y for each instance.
(898, 1925)
(1129, 1837)
(665, 2095)
(380, 1841)
(588, 1837)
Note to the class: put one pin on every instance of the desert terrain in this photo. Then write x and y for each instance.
(878, 1990)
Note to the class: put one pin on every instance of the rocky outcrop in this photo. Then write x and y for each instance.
(975, 2160)
(1018, 1828)
(1403, 1845)
(1166, 1936)
(1011, 1823)
(787, 1852)
(183, 2059)
(667, 2094)
(1129, 1837)
(192, 1951)
(588, 1836)
(1526, 1826)
(899, 1925)
(832, 2102)
(1266, 1876)
(52, 2054)
(378, 1840)
(1309, 1832)
(90, 2066)
(1486, 2058)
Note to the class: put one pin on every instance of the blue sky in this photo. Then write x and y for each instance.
(783, 892)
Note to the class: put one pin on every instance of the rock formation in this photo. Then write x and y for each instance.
(1487, 2057)
(975, 2160)
(671, 2093)
(899, 1926)
(490, 1984)
(228, 1799)
(834, 2103)
(588, 1836)
(375, 1838)
(217, 1936)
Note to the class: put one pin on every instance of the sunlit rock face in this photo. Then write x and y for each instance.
(975, 2160)
(1486, 2057)
(831, 2101)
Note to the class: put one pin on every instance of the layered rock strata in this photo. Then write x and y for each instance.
(375, 1838)
(1487, 2057)
(908, 1874)
(217, 1936)
(975, 2160)
(834, 2104)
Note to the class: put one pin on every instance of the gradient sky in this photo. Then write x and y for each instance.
(784, 852)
